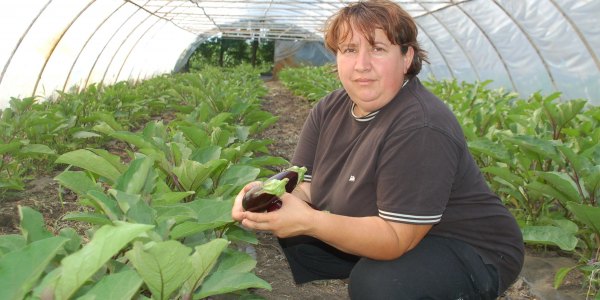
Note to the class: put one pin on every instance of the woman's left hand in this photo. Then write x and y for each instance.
(293, 218)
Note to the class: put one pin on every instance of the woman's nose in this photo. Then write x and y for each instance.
(363, 60)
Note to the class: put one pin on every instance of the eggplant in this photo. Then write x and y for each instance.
(265, 196)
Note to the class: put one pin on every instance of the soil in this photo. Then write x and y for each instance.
(43, 194)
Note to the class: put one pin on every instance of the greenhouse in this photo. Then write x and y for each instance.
(128, 127)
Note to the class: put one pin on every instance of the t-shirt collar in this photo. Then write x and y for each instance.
(370, 116)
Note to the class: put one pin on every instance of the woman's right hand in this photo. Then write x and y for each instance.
(237, 211)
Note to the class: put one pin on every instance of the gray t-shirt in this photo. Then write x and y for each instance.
(408, 162)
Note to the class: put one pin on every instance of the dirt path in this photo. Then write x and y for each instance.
(272, 265)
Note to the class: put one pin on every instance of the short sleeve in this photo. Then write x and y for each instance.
(304, 155)
(415, 175)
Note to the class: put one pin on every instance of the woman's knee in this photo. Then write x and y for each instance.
(436, 269)
(371, 279)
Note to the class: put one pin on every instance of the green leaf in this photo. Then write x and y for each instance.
(560, 275)
(88, 160)
(543, 148)
(221, 137)
(105, 117)
(20, 270)
(32, 225)
(222, 282)
(137, 210)
(220, 119)
(238, 175)
(12, 184)
(265, 161)
(196, 135)
(78, 182)
(103, 128)
(563, 113)
(242, 132)
(208, 214)
(563, 184)
(192, 227)
(176, 212)
(80, 266)
(591, 181)
(212, 210)
(192, 174)
(85, 135)
(496, 151)
(37, 149)
(106, 204)
(74, 242)
(132, 138)
(577, 161)
(203, 260)
(165, 266)
(236, 261)
(10, 148)
(135, 178)
(550, 235)
(544, 189)
(113, 159)
(566, 224)
(236, 233)
(586, 214)
(506, 175)
(206, 154)
(11, 242)
(122, 285)
(170, 197)
(92, 218)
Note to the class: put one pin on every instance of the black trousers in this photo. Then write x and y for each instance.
(438, 268)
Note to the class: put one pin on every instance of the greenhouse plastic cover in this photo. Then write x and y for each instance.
(522, 45)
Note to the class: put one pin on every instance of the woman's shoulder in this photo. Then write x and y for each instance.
(332, 101)
(336, 96)
(418, 108)
(434, 108)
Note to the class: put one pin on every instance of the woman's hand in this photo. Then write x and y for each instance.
(293, 218)
(237, 211)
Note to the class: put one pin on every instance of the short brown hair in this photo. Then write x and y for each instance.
(367, 16)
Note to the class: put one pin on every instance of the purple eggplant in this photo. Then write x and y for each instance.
(265, 196)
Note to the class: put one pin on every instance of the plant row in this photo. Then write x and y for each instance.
(540, 154)
(158, 215)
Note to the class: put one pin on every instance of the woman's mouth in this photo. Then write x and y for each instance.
(363, 81)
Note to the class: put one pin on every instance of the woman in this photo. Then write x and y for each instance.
(404, 211)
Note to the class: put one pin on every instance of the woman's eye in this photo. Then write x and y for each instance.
(378, 49)
(348, 50)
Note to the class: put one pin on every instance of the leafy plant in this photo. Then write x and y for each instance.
(310, 82)
(19, 147)
(158, 214)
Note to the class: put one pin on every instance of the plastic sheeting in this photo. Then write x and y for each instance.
(47, 46)
(522, 45)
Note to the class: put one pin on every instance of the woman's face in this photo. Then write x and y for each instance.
(372, 75)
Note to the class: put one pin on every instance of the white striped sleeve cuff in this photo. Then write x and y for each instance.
(307, 178)
(409, 218)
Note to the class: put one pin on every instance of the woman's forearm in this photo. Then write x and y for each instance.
(371, 237)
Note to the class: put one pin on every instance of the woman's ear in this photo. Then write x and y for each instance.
(408, 58)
